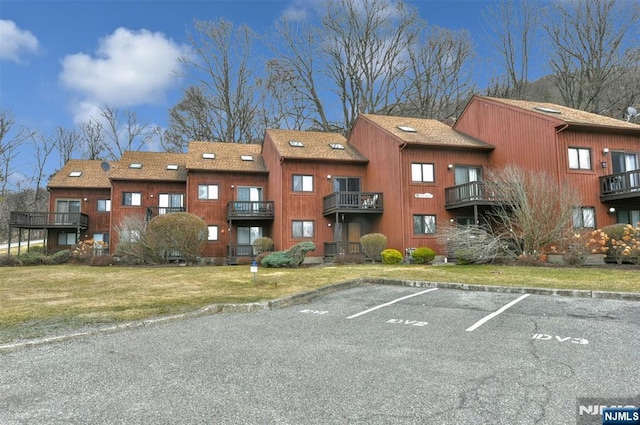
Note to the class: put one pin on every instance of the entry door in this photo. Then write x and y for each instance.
(251, 194)
(623, 162)
(170, 202)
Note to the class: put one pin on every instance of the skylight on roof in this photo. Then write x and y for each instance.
(209, 155)
(75, 174)
(246, 157)
(407, 129)
(135, 165)
(172, 167)
(336, 145)
(296, 143)
(548, 110)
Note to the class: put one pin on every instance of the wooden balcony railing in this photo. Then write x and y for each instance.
(620, 185)
(155, 211)
(471, 193)
(250, 210)
(42, 220)
(362, 202)
(335, 249)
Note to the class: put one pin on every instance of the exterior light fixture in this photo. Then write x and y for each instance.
(450, 166)
(328, 176)
(612, 210)
(605, 151)
(603, 164)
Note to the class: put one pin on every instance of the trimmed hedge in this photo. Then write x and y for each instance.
(391, 256)
(292, 257)
(423, 255)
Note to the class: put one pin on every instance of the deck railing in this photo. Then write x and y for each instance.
(366, 202)
(620, 185)
(155, 211)
(250, 209)
(335, 249)
(48, 219)
(478, 192)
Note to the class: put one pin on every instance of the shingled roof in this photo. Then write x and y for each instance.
(220, 156)
(566, 114)
(162, 166)
(314, 145)
(428, 132)
(83, 173)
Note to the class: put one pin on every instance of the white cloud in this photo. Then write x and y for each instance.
(303, 10)
(15, 41)
(129, 68)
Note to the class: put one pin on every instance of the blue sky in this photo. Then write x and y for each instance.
(60, 60)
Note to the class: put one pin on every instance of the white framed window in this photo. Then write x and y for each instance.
(212, 233)
(207, 191)
(302, 229)
(302, 183)
(104, 205)
(422, 173)
(579, 158)
(424, 224)
(66, 239)
(584, 217)
(132, 199)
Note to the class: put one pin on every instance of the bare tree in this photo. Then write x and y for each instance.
(588, 40)
(222, 106)
(534, 210)
(67, 143)
(440, 73)
(10, 139)
(92, 136)
(365, 43)
(123, 132)
(294, 77)
(42, 148)
(512, 27)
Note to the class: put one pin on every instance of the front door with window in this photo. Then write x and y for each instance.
(245, 238)
(67, 211)
(621, 162)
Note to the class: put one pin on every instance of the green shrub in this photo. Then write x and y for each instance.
(292, 257)
(391, 256)
(34, 258)
(263, 244)
(36, 248)
(373, 244)
(423, 255)
(61, 257)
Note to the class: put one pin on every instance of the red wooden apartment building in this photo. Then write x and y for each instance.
(400, 176)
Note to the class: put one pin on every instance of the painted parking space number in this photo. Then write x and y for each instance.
(545, 337)
(407, 322)
(310, 311)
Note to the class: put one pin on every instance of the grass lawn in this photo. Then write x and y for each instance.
(45, 300)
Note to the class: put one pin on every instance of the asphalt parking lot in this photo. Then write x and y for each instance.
(366, 355)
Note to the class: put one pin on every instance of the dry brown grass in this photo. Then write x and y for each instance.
(41, 300)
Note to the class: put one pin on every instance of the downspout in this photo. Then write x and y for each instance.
(558, 153)
(402, 204)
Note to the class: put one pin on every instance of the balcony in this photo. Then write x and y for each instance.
(250, 210)
(620, 186)
(45, 220)
(244, 250)
(469, 194)
(336, 249)
(156, 211)
(353, 202)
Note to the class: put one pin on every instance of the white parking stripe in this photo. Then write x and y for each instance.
(389, 303)
(495, 313)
